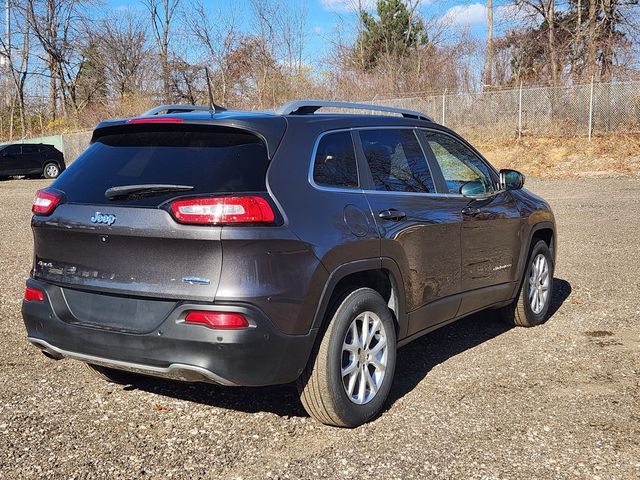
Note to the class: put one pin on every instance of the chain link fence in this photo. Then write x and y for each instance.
(577, 110)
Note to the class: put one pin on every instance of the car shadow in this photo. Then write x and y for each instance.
(414, 362)
(419, 357)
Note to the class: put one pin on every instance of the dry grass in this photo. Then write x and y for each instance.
(564, 157)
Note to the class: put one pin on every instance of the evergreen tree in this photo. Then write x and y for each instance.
(393, 33)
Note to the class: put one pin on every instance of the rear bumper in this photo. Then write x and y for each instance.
(255, 356)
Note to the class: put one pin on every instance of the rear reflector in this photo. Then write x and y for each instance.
(222, 210)
(45, 202)
(222, 320)
(156, 120)
(33, 295)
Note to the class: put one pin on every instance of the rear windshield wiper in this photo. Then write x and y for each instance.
(144, 190)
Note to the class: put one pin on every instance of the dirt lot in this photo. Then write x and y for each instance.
(472, 400)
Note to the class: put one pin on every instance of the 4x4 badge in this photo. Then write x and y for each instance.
(107, 218)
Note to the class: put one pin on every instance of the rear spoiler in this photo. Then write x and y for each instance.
(270, 129)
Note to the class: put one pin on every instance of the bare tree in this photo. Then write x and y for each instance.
(162, 14)
(60, 27)
(121, 46)
(545, 10)
(219, 38)
(17, 64)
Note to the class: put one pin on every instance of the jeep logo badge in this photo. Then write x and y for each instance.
(106, 218)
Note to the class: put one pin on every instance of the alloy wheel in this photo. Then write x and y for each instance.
(539, 283)
(364, 358)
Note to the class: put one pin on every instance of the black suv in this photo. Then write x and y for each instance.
(31, 159)
(252, 248)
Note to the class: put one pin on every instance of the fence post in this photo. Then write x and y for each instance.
(444, 96)
(591, 109)
(520, 112)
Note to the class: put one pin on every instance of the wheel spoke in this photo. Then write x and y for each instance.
(352, 382)
(379, 366)
(372, 333)
(373, 388)
(382, 342)
(355, 339)
(365, 331)
(362, 385)
(350, 347)
(350, 368)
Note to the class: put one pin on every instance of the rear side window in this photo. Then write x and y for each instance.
(396, 161)
(29, 149)
(335, 162)
(211, 159)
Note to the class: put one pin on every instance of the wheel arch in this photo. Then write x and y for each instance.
(540, 231)
(380, 274)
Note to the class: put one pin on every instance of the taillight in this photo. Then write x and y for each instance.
(33, 295)
(45, 202)
(222, 320)
(156, 120)
(222, 210)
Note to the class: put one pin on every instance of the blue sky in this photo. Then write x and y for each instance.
(323, 15)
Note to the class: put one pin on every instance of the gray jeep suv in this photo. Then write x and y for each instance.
(252, 248)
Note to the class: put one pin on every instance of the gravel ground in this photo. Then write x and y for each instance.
(472, 400)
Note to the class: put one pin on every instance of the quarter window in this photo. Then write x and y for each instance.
(335, 162)
(458, 163)
(396, 161)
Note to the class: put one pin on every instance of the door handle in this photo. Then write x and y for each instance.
(470, 210)
(392, 214)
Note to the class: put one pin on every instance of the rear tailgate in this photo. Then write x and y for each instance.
(132, 245)
(144, 252)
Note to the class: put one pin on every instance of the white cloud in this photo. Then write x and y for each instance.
(512, 16)
(465, 15)
(347, 5)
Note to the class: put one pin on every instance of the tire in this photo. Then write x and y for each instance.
(322, 390)
(525, 311)
(112, 375)
(51, 170)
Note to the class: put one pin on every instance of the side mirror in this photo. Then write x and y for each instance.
(511, 179)
(473, 190)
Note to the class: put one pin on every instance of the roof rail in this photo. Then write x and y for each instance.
(180, 108)
(307, 107)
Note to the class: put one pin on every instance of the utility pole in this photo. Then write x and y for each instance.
(488, 59)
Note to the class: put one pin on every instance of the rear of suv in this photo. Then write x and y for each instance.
(248, 248)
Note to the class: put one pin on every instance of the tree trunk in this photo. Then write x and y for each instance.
(53, 90)
(609, 26)
(591, 40)
(488, 61)
(553, 54)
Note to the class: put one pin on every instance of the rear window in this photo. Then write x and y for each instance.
(211, 159)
